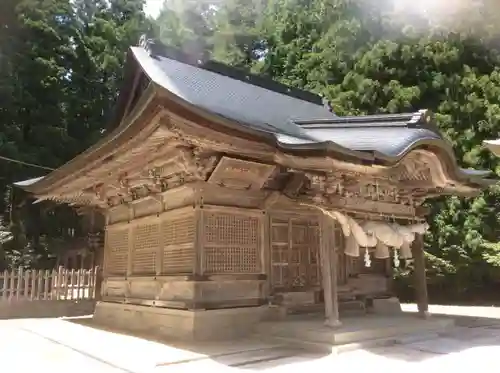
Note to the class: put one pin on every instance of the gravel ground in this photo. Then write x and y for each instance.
(56, 345)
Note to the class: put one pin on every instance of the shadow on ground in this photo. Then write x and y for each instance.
(470, 332)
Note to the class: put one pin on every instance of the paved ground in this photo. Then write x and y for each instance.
(54, 345)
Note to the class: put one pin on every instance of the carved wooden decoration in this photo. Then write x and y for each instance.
(358, 193)
(239, 174)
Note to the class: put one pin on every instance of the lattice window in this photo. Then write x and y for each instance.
(231, 230)
(178, 245)
(231, 244)
(116, 252)
(146, 246)
(178, 231)
(231, 260)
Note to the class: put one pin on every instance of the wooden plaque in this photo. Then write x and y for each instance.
(239, 174)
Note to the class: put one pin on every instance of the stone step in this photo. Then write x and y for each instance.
(416, 337)
(346, 308)
(312, 335)
(320, 347)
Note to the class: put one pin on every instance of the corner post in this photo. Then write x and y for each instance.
(420, 280)
(329, 275)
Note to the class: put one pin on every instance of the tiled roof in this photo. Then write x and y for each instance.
(390, 135)
(246, 103)
(282, 111)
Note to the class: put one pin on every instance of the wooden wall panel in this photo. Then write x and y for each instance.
(153, 245)
(178, 240)
(232, 242)
(116, 252)
(146, 242)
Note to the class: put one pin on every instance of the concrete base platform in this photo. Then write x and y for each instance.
(309, 331)
(179, 324)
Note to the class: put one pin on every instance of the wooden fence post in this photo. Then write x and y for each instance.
(92, 274)
(19, 280)
(39, 285)
(26, 284)
(21, 285)
(65, 283)
(12, 284)
(59, 282)
(33, 285)
(71, 284)
(46, 284)
(78, 283)
(5, 285)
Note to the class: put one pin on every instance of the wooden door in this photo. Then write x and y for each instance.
(294, 254)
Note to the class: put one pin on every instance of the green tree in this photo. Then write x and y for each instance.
(368, 58)
(62, 67)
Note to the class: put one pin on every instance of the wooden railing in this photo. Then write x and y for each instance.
(62, 284)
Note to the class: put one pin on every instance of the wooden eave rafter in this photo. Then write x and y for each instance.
(134, 160)
(150, 124)
(131, 131)
(438, 161)
(159, 144)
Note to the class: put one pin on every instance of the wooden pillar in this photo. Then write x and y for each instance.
(99, 260)
(199, 240)
(329, 275)
(420, 280)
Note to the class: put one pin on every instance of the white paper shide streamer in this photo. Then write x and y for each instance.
(380, 235)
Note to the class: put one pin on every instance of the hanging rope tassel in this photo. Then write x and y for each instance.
(368, 261)
(396, 258)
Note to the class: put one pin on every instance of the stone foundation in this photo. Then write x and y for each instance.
(197, 325)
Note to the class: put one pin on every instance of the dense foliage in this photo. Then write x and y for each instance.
(373, 57)
(61, 64)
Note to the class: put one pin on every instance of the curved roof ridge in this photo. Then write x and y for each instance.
(158, 50)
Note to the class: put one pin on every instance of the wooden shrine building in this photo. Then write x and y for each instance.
(228, 196)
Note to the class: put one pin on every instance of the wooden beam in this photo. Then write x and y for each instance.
(359, 205)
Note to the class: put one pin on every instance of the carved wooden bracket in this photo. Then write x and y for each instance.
(295, 183)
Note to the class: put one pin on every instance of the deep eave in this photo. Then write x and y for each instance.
(288, 120)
